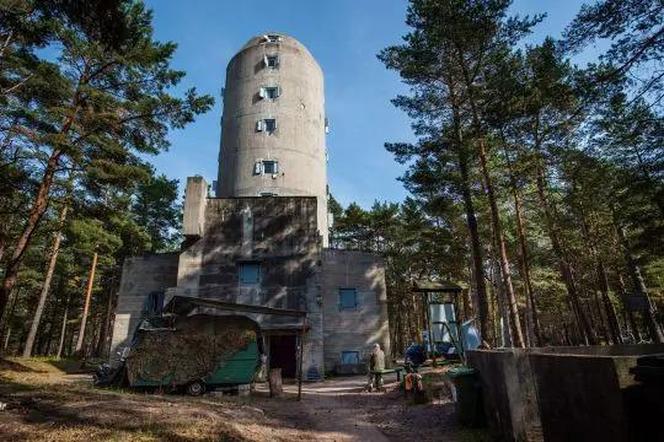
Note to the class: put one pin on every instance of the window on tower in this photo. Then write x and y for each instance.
(270, 125)
(272, 61)
(270, 167)
(272, 38)
(269, 92)
(267, 167)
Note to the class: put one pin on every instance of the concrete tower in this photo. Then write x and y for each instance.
(274, 125)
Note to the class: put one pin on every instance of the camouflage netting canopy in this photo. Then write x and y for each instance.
(193, 350)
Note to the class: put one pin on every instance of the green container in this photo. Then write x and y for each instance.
(467, 396)
(239, 369)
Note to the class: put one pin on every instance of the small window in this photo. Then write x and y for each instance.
(268, 125)
(272, 38)
(347, 299)
(272, 61)
(270, 167)
(350, 357)
(266, 194)
(269, 92)
(249, 273)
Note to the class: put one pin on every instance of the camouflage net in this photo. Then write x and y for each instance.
(194, 350)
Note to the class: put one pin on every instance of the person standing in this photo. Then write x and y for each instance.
(376, 366)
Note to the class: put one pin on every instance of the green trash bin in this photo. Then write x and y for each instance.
(467, 396)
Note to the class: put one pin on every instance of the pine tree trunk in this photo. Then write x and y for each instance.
(504, 326)
(63, 329)
(473, 231)
(608, 305)
(630, 315)
(502, 249)
(46, 287)
(563, 264)
(106, 322)
(39, 206)
(524, 258)
(44, 341)
(612, 326)
(476, 250)
(654, 328)
(6, 321)
(86, 307)
(495, 215)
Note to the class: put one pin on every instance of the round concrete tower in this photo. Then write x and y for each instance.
(273, 127)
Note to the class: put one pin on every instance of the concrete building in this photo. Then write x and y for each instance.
(262, 239)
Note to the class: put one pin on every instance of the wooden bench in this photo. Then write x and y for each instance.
(385, 371)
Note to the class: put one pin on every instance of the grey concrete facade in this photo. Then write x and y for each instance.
(354, 329)
(268, 250)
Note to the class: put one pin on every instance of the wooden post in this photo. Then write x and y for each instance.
(274, 380)
(427, 318)
(86, 307)
(300, 374)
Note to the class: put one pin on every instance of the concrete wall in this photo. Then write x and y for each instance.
(562, 394)
(195, 200)
(298, 143)
(353, 330)
(278, 233)
(141, 276)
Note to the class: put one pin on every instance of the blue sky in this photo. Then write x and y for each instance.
(344, 36)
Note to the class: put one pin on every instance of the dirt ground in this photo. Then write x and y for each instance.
(45, 401)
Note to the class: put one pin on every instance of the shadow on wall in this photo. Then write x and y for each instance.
(570, 393)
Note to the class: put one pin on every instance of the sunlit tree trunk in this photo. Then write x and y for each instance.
(493, 206)
(471, 222)
(46, 287)
(86, 307)
(63, 329)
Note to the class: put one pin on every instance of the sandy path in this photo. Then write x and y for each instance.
(335, 410)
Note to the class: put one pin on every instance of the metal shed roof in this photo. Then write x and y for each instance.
(183, 305)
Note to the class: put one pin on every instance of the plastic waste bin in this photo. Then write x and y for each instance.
(467, 396)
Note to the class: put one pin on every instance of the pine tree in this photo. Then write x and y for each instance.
(109, 102)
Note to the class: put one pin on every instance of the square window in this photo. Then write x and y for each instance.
(249, 273)
(270, 167)
(270, 125)
(272, 61)
(347, 299)
(271, 92)
(273, 38)
(350, 357)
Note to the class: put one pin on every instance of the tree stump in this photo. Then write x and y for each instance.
(275, 382)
